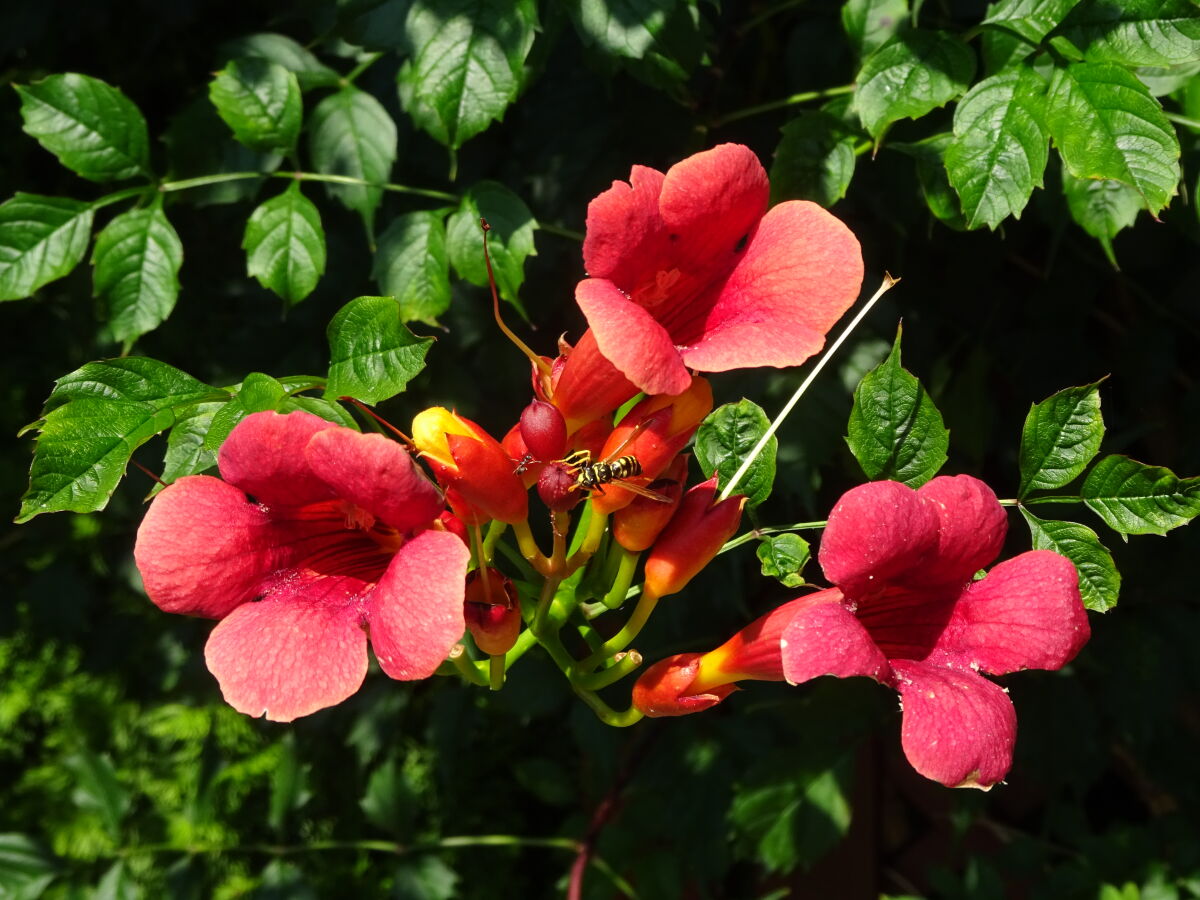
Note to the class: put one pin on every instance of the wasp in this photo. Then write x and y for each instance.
(592, 476)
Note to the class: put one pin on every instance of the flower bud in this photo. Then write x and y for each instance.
(653, 433)
(556, 486)
(475, 470)
(639, 524)
(543, 430)
(585, 385)
(453, 524)
(525, 465)
(665, 689)
(697, 532)
(492, 611)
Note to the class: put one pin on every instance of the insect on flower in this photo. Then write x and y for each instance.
(613, 469)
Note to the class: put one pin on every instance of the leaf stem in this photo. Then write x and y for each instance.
(353, 74)
(1182, 120)
(886, 285)
(118, 196)
(560, 231)
(756, 533)
(803, 97)
(1057, 498)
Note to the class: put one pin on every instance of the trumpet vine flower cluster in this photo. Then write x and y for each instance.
(317, 540)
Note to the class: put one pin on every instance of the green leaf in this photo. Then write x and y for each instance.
(329, 410)
(1061, 435)
(199, 144)
(352, 134)
(1031, 19)
(1134, 498)
(41, 239)
(26, 867)
(940, 197)
(783, 557)
(909, 76)
(814, 160)
(1000, 146)
(467, 64)
(310, 72)
(869, 24)
(96, 788)
(895, 430)
(1106, 125)
(424, 877)
(510, 241)
(1133, 32)
(372, 356)
(1099, 580)
(117, 884)
(726, 438)
(93, 421)
(260, 102)
(137, 259)
(1163, 80)
(257, 393)
(390, 799)
(1102, 207)
(625, 28)
(187, 451)
(412, 265)
(289, 785)
(93, 129)
(285, 245)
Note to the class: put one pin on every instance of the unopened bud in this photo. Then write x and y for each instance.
(638, 525)
(556, 486)
(492, 611)
(700, 528)
(665, 688)
(544, 430)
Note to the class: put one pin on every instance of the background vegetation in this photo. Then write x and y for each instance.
(123, 773)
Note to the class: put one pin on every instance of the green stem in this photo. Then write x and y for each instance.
(495, 531)
(551, 228)
(884, 287)
(619, 641)
(626, 567)
(361, 67)
(205, 180)
(1058, 498)
(496, 672)
(1182, 120)
(771, 105)
(614, 673)
(467, 666)
(750, 24)
(606, 713)
(760, 532)
(118, 196)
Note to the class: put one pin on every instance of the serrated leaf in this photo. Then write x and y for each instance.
(814, 160)
(1000, 146)
(1133, 32)
(510, 241)
(93, 421)
(256, 393)
(467, 64)
(725, 439)
(26, 867)
(200, 144)
(1134, 498)
(1106, 125)
(412, 265)
(1102, 207)
(351, 134)
(1061, 435)
(372, 356)
(909, 76)
(1099, 580)
(310, 72)
(285, 245)
(626, 28)
(869, 24)
(137, 258)
(783, 557)
(260, 102)
(96, 788)
(895, 430)
(319, 406)
(41, 239)
(1031, 19)
(187, 452)
(93, 129)
(1002, 49)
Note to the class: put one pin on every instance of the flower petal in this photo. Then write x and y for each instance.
(958, 728)
(624, 229)
(416, 610)
(300, 649)
(376, 474)
(971, 531)
(801, 271)
(824, 638)
(588, 385)
(203, 549)
(876, 532)
(631, 339)
(264, 456)
(1026, 614)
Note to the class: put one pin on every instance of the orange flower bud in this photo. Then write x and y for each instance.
(586, 386)
(492, 611)
(665, 689)
(638, 525)
(525, 466)
(475, 470)
(699, 529)
(653, 433)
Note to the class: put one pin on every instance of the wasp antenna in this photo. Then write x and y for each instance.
(148, 472)
(381, 420)
(540, 363)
